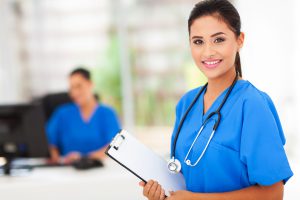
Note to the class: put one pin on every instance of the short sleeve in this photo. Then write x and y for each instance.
(112, 125)
(52, 129)
(262, 144)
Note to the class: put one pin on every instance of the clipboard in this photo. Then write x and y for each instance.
(141, 161)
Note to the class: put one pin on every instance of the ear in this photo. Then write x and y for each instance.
(92, 85)
(240, 40)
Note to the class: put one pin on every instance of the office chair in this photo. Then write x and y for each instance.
(51, 101)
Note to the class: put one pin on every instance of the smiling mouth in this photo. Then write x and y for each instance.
(211, 63)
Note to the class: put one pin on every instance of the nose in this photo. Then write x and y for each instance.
(208, 51)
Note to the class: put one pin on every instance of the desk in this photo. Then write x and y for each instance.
(65, 183)
(62, 183)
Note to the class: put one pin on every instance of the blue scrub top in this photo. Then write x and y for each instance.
(67, 130)
(247, 148)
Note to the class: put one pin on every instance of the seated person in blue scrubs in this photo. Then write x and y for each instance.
(81, 128)
(244, 158)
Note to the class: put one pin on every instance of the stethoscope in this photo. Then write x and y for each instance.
(174, 164)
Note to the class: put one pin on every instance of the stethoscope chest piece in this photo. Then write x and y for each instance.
(174, 165)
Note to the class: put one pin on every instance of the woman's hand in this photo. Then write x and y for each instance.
(71, 157)
(152, 190)
(99, 154)
(54, 155)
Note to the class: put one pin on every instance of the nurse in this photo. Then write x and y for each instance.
(245, 158)
(81, 128)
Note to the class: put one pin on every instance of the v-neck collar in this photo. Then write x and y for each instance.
(217, 101)
(87, 121)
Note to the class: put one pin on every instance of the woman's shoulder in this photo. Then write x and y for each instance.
(102, 107)
(64, 111)
(188, 97)
(66, 108)
(260, 104)
(252, 96)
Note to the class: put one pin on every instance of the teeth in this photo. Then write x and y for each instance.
(212, 63)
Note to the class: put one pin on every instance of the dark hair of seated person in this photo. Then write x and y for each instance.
(83, 72)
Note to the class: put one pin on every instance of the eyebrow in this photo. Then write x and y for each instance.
(213, 35)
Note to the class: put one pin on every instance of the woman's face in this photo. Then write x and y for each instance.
(81, 89)
(214, 46)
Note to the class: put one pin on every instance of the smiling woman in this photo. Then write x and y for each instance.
(237, 152)
(214, 44)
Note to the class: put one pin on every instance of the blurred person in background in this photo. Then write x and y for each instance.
(84, 127)
(231, 143)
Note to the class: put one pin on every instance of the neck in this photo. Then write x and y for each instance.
(217, 85)
(88, 105)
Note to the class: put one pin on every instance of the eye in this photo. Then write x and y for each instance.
(198, 42)
(219, 40)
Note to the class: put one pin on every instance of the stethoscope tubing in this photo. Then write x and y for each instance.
(217, 112)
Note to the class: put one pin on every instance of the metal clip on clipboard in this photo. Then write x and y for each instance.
(117, 141)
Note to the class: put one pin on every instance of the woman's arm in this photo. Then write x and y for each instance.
(99, 154)
(273, 192)
(54, 154)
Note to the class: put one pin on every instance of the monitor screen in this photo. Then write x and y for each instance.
(22, 131)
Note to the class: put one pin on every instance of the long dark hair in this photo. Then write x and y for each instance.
(226, 12)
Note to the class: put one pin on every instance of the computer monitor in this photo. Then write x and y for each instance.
(22, 133)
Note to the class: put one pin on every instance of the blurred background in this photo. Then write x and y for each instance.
(138, 53)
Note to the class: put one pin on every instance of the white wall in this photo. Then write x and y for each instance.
(11, 79)
(269, 56)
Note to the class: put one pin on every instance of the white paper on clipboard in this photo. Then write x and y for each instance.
(143, 162)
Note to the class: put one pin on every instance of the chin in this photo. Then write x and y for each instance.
(78, 102)
(214, 73)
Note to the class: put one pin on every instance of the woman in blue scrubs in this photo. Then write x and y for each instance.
(81, 128)
(245, 159)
